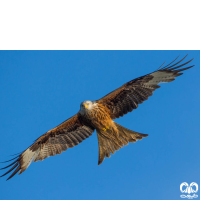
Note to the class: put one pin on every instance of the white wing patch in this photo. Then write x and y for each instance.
(161, 77)
(27, 157)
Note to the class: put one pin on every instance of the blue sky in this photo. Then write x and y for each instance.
(41, 89)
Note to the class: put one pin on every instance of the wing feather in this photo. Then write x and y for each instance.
(67, 135)
(128, 96)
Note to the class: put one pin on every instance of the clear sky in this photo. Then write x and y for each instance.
(41, 89)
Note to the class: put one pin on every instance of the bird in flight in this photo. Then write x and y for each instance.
(98, 115)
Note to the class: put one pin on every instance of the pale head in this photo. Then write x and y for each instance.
(86, 106)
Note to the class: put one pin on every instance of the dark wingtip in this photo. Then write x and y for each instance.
(10, 170)
(10, 164)
(174, 67)
(171, 62)
(15, 167)
(161, 65)
(9, 160)
(180, 70)
(17, 153)
(16, 170)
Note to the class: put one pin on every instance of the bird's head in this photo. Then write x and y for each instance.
(86, 106)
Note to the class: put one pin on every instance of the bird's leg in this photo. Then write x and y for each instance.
(106, 128)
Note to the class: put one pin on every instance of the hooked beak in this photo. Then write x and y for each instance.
(85, 106)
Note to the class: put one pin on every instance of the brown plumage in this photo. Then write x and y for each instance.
(98, 115)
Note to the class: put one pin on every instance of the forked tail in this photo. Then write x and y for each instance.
(110, 141)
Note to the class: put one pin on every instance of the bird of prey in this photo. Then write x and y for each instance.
(98, 115)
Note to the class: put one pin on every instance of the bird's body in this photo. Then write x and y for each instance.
(111, 136)
(95, 114)
(98, 115)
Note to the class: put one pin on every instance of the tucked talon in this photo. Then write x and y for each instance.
(107, 127)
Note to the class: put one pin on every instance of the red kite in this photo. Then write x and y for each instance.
(99, 115)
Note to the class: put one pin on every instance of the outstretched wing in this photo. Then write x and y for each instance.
(127, 97)
(67, 135)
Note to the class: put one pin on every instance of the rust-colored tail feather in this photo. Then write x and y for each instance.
(110, 141)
